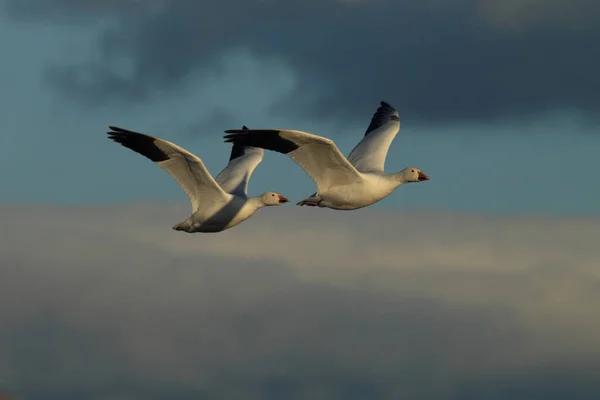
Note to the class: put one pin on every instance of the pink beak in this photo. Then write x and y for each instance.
(282, 199)
(423, 177)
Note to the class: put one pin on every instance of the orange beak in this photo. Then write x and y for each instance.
(282, 199)
(423, 177)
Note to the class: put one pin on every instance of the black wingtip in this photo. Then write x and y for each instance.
(233, 133)
(138, 142)
(385, 113)
(115, 133)
(238, 149)
(267, 139)
(116, 129)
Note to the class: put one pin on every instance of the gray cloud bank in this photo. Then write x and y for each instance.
(437, 62)
(110, 303)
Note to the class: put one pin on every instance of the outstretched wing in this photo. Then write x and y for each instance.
(242, 162)
(319, 157)
(187, 169)
(370, 153)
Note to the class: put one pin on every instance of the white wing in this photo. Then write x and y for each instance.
(187, 169)
(319, 157)
(370, 153)
(242, 162)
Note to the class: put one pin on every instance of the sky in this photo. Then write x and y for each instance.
(112, 304)
(498, 104)
(480, 283)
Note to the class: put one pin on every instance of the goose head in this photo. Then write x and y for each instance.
(273, 199)
(412, 174)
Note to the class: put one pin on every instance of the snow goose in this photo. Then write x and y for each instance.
(217, 204)
(342, 183)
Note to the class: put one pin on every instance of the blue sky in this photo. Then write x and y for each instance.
(54, 147)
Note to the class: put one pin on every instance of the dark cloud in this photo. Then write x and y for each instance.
(520, 14)
(435, 61)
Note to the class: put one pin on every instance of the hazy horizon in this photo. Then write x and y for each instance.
(110, 303)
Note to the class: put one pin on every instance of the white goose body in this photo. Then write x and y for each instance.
(217, 204)
(371, 189)
(342, 183)
(221, 216)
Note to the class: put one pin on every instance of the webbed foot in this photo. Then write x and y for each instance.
(310, 203)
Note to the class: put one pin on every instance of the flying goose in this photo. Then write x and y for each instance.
(217, 204)
(342, 183)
